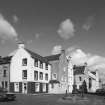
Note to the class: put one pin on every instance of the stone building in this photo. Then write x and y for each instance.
(82, 73)
(61, 73)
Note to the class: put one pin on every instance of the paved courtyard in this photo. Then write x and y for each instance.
(52, 100)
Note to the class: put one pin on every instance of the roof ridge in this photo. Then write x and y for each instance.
(35, 55)
(52, 57)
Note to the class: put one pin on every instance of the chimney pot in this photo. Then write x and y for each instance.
(21, 45)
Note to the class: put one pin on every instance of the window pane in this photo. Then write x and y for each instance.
(24, 74)
(36, 87)
(6, 84)
(41, 75)
(4, 74)
(46, 66)
(2, 84)
(54, 76)
(46, 76)
(36, 75)
(24, 62)
(16, 87)
(44, 87)
(41, 64)
(36, 63)
(80, 78)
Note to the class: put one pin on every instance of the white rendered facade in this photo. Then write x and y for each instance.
(70, 76)
(30, 83)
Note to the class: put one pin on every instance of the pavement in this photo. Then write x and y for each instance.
(52, 99)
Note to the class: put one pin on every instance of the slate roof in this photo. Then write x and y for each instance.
(78, 70)
(53, 57)
(37, 56)
(5, 60)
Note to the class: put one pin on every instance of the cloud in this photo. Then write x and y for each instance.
(71, 49)
(79, 57)
(56, 49)
(66, 29)
(88, 23)
(7, 31)
(29, 42)
(15, 19)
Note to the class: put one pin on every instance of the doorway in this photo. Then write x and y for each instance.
(24, 90)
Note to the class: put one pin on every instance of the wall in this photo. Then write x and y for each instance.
(16, 68)
(61, 68)
(77, 81)
(2, 78)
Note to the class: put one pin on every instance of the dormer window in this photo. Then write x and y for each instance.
(41, 64)
(36, 62)
(46, 66)
(24, 62)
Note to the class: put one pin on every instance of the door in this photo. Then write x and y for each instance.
(24, 88)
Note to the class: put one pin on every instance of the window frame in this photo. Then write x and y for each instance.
(4, 73)
(23, 74)
(41, 65)
(80, 78)
(41, 75)
(35, 75)
(24, 62)
(36, 62)
(54, 77)
(6, 84)
(46, 66)
(16, 86)
(46, 76)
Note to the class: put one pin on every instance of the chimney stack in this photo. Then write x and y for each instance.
(63, 51)
(21, 45)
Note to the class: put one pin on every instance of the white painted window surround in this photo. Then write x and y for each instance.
(44, 87)
(24, 61)
(24, 74)
(36, 87)
(16, 87)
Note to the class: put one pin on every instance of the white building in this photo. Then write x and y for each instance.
(29, 72)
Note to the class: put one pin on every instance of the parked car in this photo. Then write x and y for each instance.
(100, 91)
(6, 96)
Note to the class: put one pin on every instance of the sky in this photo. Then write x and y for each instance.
(47, 26)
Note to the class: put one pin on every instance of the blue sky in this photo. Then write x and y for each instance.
(46, 26)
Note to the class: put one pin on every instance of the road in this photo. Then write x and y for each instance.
(50, 100)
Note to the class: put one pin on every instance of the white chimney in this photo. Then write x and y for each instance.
(21, 45)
